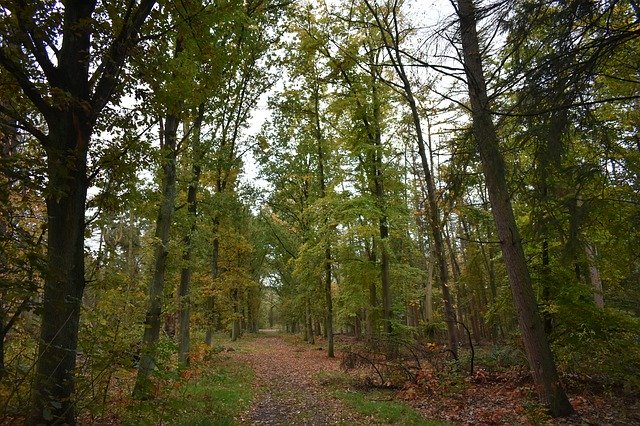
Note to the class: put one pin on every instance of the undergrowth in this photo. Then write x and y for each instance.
(215, 397)
(380, 406)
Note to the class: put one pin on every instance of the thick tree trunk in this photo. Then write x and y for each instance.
(53, 387)
(142, 388)
(536, 346)
(70, 109)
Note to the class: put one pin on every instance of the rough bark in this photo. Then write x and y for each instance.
(142, 388)
(537, 348)
(70, 119)
(184, 313)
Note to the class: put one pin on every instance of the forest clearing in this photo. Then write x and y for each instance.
(436, 203)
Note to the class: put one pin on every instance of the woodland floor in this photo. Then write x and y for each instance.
(276, 379)
(297, 384)
(288, 387)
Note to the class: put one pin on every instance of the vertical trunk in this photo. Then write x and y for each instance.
(371, 311)
(546, 291)
(428, 296)
(384, 266)
(327, 250)
(433, 213)
(53, 387)
(142, 388)
(215, 273)
(184, 313)
(379, 193)
(70, 125)
(310, 335)
(536, 346)
(594, 276)
(235, 326)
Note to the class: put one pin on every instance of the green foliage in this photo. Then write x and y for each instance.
(496, 357)
(594, 341)
(383, 409)
(215, 397)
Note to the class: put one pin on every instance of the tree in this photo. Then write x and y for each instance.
(388, 25)
(69, 98)
(536, 345)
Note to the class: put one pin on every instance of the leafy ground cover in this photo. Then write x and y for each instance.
(213, 391)
(275, 379)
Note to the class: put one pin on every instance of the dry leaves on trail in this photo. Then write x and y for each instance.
(288, 388)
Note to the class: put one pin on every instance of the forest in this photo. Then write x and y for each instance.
(422, 199)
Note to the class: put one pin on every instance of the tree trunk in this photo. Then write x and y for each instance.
(53, 387)
(433, 214)
(184, 313)
(536, 346)
(594, 276)
(215, 273)
(142, 388)
(327, 250)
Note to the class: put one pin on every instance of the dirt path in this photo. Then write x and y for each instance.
(288, 380)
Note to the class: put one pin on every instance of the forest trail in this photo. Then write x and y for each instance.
(288, 383)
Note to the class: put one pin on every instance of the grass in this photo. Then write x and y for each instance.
(383, 410)
(215, 397)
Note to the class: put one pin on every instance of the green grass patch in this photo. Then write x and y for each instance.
(384, 410)
(215, 397)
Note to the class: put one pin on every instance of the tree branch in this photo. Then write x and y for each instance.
(116, 54)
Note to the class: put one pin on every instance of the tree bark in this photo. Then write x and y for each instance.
(537, 348)
(185, 275)
(70, 124)
(142, 388)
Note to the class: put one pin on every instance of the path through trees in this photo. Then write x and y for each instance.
(289, 384)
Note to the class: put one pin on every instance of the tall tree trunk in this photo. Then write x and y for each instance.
(65, 100)
(371, 310)
(379, 192)
(327, 251)
(215, 273)
(310, 335)
(594, 276)
(536, 346)
(185, 275)
(64, 284)
(236, 330)
(142, 388)
(435, 226)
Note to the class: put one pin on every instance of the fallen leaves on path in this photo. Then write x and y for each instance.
(289, 387)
